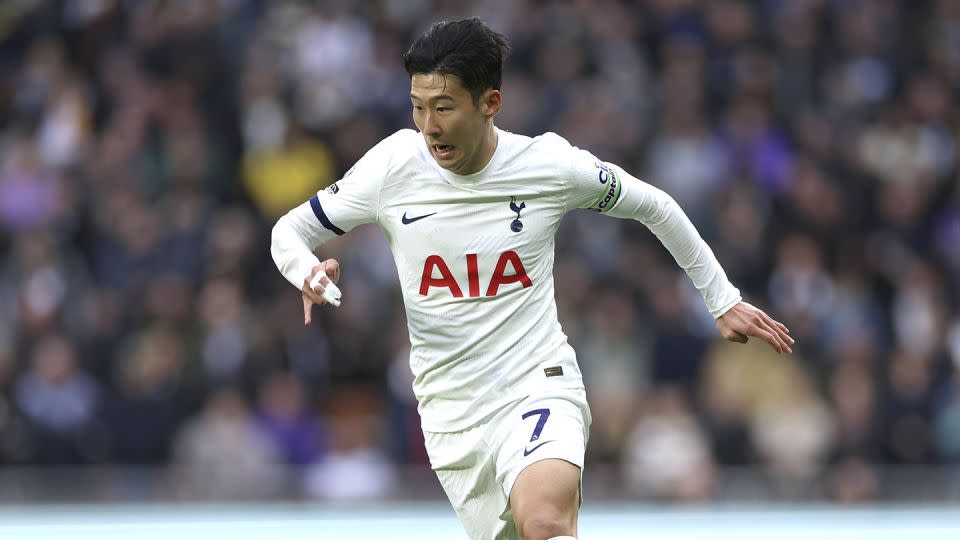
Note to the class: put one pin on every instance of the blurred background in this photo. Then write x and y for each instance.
(150, 350)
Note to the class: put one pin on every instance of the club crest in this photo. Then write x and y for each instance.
(516, 225)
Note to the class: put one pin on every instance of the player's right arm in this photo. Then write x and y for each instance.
(351, 201)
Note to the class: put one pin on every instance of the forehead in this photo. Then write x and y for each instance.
(434, 85)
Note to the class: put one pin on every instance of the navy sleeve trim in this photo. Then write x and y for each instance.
(324, 220)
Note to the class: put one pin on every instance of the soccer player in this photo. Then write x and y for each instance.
(470, 212)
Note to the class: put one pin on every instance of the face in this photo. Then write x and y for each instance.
(458, 131)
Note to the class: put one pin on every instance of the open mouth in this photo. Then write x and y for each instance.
(443, 151)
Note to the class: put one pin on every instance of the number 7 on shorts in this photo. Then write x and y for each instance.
(542, 421)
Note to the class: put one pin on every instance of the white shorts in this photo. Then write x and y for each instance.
(478, 466)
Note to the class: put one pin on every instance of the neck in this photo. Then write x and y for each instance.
(488, 145)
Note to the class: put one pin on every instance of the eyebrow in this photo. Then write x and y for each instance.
(434, 98)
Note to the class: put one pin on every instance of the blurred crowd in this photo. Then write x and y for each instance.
(147, 147)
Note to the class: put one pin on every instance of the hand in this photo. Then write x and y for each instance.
(313, 296)
(743, 321)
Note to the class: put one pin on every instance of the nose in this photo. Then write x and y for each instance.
(430, 126)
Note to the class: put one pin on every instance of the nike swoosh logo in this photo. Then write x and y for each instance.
(527, 452)
(406, 221)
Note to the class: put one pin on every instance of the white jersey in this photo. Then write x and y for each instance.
(475, 258)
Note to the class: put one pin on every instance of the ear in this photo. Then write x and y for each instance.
(490, 103)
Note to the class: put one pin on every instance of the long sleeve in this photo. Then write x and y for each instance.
(608, 189)
(664, 217)
(292, 242)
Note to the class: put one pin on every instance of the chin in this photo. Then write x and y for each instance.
(452, 167)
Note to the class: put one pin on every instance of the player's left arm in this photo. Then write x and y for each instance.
(624, 196)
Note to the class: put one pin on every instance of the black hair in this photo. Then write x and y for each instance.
(468, 49)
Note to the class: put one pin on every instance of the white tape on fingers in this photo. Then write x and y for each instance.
(331, 293)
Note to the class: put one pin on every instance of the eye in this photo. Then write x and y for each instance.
(443, 109)
(417, 108)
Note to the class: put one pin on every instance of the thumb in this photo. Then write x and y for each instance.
(737, 337)
(332, 268)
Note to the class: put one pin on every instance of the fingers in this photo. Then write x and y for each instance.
(780, 330)
(779, 325)
(315, 292)
(770, 338)
(767, 332)
(332, 268)
(321, 284)
(744, 320)
(314, 295)
(774, 333)
(310, 297)
(329, 272)
(307, 308)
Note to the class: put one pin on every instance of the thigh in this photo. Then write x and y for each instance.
(541, 457)
(466, 468)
